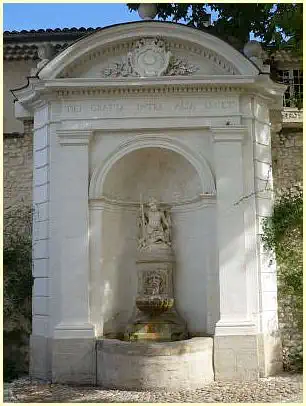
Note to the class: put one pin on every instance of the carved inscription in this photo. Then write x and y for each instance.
(106, 108)
(219, 104)
(73, 108)
(185, 106)
(130, 108)
(148, 107)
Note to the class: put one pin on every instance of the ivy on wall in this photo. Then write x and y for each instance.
(283, 235)
(17, 293)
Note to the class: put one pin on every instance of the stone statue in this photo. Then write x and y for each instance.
(154, 226)
(155, 318)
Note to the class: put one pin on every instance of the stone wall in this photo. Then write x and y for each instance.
(17, 202)
(17, 178)
(287, 158)
(15, 75)
(292, 337)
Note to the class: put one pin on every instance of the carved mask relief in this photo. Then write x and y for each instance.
(154, 282)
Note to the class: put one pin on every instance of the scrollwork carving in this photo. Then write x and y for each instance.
(119, 69)
(150, 58)
(181, 67)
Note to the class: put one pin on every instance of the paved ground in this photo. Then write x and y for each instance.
(286, 388)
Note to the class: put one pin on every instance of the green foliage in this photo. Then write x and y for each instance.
(283, 235)
(280, 25)
(17, 292)
(289, 18)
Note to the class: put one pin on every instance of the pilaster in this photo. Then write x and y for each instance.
(235, 341)
(74, 342)
(74, 236)
(234, 317)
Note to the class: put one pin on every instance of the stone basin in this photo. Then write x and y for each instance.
(172, 366)
(153, 304)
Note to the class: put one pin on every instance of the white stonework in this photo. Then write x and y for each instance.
(200, 142)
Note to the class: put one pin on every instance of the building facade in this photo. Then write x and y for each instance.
(81, 115)
(23, 50)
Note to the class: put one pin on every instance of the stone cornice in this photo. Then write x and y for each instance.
(105, 203)
(153, 81)
(50, 89)
(29, 94)
(147, 89)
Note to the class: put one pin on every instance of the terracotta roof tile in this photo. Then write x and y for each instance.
(283, 55)
(62, 37)
(50, 30)
(26, 52)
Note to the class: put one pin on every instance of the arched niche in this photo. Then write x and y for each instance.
(170, 177)
(152, 172)
(167, 146)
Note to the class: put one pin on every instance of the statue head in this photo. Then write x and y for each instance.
(152, 204)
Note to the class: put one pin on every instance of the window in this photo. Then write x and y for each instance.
(294, 93)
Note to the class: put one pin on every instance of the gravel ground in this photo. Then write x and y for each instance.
(286, 388)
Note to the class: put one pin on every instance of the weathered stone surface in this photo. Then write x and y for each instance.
(269, 354)
(155, 366)
(287, 154)
(17, 179)
(74, 361)
(291, 335)
(236, 357)
(40, 357)
(287, 157)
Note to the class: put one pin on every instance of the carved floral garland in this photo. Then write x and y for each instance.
(176, 67)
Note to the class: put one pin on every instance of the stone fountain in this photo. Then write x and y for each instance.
(156, 352)
(156, 318)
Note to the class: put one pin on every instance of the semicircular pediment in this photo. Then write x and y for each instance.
(149, 49)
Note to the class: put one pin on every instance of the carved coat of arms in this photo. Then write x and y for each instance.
(150, 58)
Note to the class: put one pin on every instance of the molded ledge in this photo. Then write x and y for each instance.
(65, 331)
(229, 134)
(74, 137)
